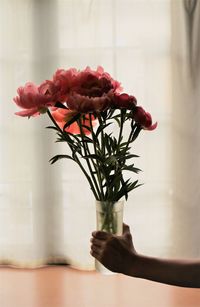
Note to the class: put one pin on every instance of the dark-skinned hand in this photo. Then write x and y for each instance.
(115, 252)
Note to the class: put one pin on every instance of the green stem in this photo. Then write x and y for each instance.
(86, 151)
(102, 134)
(119, 138)
(53, 120)
(121, 128)
(136, 133)
(108, 218)
(67, 137)
(136, 130)
(95, 142)
(103, 150)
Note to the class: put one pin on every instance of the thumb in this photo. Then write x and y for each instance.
(126, 229)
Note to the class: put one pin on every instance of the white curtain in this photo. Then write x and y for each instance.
(186, 127)
(47, 213)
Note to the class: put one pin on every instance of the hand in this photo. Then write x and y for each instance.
(117, 253)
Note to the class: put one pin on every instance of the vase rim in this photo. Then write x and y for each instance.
(109, 201)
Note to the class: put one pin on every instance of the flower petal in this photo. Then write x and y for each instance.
(29, 112)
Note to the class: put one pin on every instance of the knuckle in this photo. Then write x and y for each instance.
(93, 247)
(128, 236)
(112, 240)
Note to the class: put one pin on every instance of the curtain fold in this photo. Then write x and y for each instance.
(47, 213)
(186, 126)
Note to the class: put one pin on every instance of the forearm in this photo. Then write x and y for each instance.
(183, 273)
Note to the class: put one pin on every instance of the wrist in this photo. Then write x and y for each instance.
(132, 265)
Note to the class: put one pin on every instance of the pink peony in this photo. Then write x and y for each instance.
(33, 99)
(144, 119)
(124, 101)
(85, 91)
(62, 116)
(86, 104)
(64, 81)
(82, 91)
(94, 83)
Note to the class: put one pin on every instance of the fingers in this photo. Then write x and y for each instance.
(101, 235)
(126, 228)
(96, 242)
(99, 240)
(95, 254)
(97, 247)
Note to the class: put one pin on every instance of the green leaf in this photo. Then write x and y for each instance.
(87, 140)
(131, 168)
(103, 114)
(64, 138)
(131, 156)
(128, 116)
(58, 157)
(136, 133)
(126, 188)
(60, 105)
(134, 185)
(92, 156)
(72, 120)
(115, 180)
(101, 127)
(116, 116)
(110, 113)
(121, 193)
(75, 136)
(107, 143)
(123, 144)
(123, 157)
(124, 185)
(52, 127)
(75, 151)
(76, 148)
(111, 160)
(87, 127)
(117, 120)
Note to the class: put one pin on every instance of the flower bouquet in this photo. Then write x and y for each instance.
(89, 112)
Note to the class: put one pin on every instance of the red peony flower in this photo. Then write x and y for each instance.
(95, 83)
(124, 101)
(32, 99)
(64, 81)
(144, 119)
(85, 91)
(49, 88)
(86, 104)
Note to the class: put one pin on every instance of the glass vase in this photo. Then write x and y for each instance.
(109, 218)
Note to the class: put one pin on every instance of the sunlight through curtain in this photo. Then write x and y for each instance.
(47, 213)
(186, 127)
